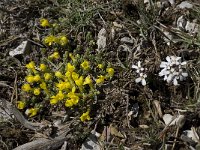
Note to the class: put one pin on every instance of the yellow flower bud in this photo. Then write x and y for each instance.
(31, 65)
(53, 100)
(85, 116)
(63, 40)
(26, 87)
(85, 65)
(44, 22)
(43, 86)
(31, 112)
(110, 72)
(100, 66)
(70, 67)
(21, 104)
(55, 55)
(30, 79)
(58, 74)
(36, 91)
(88, 80)
(79, 82)
(100, 79)
(37, 78)
(49, 40)
(75, 75)
(47, 76)
(43, 67)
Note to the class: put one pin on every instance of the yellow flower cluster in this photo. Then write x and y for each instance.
(51, 39)
(71, 82)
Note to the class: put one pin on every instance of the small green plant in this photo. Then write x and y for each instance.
(63, 80)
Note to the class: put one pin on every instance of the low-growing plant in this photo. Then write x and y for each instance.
(66, 79)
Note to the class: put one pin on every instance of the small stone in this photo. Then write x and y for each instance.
(185, 4)
(21, 49)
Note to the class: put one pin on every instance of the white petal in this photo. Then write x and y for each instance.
(139, 64)
(185, 74)
(175, 82)
(138, 80)
(138, 70)
(168, 59)
(178, 58)
(144, 76)
(184, 63)
(169, 78)
(141, 74)
(163, 64)
(144, 82)
(165, 77)
(134, 67)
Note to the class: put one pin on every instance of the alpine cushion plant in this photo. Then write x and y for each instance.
(71, 83)
(173, 69)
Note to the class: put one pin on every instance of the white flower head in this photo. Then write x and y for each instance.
(141, 79)
(173, 70)
(140, 71)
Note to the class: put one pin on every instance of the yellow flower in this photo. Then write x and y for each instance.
(88, 80)
(30, 79)
(100, 66)
(70, 67)
(36, 91)
(43, 86)
(44, 22)
(60, 95)
(53, 100)
(31, 112)
(55, 55)
(26, 87)
(58, 74)
(31, 65)
(85, 116)
(37, 78)
(21, 104)
(69, 103)
(47, 76)
(100, 79)
(75, 75)
(63, 40)
(63, 85)
(68, 74)
(49, 40)
(43, 67)
(110, 72)
(79, 82)
(85, 65)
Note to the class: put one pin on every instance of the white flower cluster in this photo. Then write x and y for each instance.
(140, 70)
(173, 69)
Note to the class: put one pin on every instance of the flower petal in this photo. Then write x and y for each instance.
(139, 64)
(175, 82)
(163, 64)
(134, 67)
(185, 74)
(138, 80)
(144, 82)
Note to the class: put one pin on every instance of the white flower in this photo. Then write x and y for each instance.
(140, 71)
(138, 67)
(141, 79)
(173, 70)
